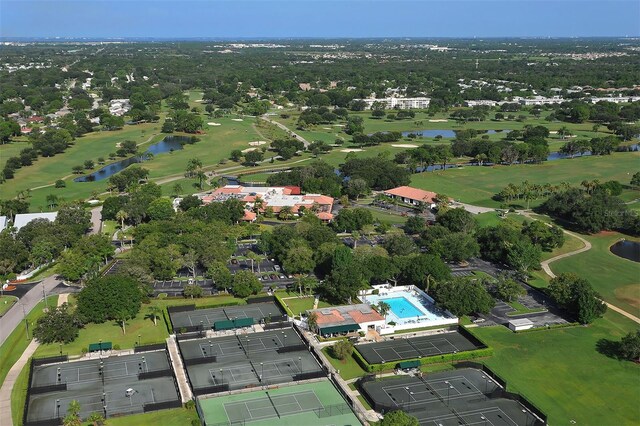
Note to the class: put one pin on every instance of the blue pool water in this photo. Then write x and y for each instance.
(403, 308)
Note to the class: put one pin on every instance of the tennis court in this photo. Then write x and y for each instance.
(465, 396)
(207, 318)
(309, 404)
(112, 386)
(247, 360)
(415, 347)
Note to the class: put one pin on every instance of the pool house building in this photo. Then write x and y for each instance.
(343, 320)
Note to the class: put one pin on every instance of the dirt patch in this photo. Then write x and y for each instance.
(249, 149)
(214, 124)
(629, 294)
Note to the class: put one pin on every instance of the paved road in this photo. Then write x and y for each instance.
(12, 376)
(96, 220)
(14, 316)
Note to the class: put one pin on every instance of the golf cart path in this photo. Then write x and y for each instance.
(14, 372)
(587, 246)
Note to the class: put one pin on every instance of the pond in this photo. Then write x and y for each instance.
(627, 249)
(168, 144)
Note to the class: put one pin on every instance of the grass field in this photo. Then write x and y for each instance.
(6, 302)
(349, 368)
(173, 417)
(562, 373)
(302, 304)
(615, 278)
(488, 181)
(141, 325)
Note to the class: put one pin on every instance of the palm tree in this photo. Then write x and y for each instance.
(154, 313)
(253, 257)
(285, 212)
(52, 200)
(121, 317)
(564, 132)
(201, 176)
(383, 309)
(122, 216)
(177, 189)
(258, 205)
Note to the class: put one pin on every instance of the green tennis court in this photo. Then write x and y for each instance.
(309, 404)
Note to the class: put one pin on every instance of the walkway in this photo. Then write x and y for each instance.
(96, 220)
(587, 247)
(176, 361)
(286, 129)
(12, 376)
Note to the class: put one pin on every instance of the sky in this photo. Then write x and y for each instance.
(232, 19)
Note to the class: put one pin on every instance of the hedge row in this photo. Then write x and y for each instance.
(283, 305)
(569, 324)
(436, 359)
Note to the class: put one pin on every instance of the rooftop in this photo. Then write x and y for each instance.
(412, 193)
(347, 314)
(22, 219)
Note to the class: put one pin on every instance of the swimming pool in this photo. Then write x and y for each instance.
(409, 307)
(402, 308)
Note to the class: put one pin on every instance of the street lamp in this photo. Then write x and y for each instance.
(222, 376)
(58, 408)
(484, 419)
(139, 340)
(486, 384)
(144, 365)
(526, 413)
(261, 372)
(300, 361)
(59, 376)
(60, 349)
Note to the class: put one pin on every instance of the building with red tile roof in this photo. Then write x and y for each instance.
(411, 195)
(340, 320)
(274, 197)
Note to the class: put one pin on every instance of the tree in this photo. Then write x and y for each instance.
(111, 297)
(456, 247)
(457, 220)
(312, 321)
(121, 216)
(635, 179)
(415, 225)
(398, 418)
(298, 259)
(463, 296)
(177, 190)
(507, 289)
(220, 275)
(576, 295)
(523, 256)
(245, 283)
(58, 325)
(160, 209)
(155, 313)
(415, 269)
(383, 309)
(342, 350)
(357, 187)
(253, 257)
(630, 346)
(73, 415)
(121, 316)
(399, 245)
(192, 291)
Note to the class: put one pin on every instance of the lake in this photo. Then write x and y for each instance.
(627, 249)
(168, 144)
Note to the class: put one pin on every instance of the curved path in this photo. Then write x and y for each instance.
(587, 247)
(286, 129)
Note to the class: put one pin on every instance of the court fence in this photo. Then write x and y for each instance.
(150, 348)
(49, 388)
(155, 406)
(333, 410)
(200, 360)
(262, 299)
(181, 308)
(28, 396)
(292, 348)
(49, 422)
(211, 389)
(50, 360)
(155, 374)
(275, 325)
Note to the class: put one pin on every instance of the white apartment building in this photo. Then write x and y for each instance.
(398, 103)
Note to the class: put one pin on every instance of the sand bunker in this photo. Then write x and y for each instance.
(249, 149)
(257, 143)
(441, 120)
(237, 119)
(351, 150)
(404, 145)
(553, 132)
(214, 124)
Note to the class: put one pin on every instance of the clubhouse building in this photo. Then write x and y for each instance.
(413, 196)
(276, 198)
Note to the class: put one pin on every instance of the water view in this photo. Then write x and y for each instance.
(627, 249)
(168, 144)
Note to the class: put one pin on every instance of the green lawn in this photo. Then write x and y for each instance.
(615, 278)
(17, 341)
(109, 227)
(488, 181)
(6, 302)
(562, 373)
(521, 309)
(349, 368)
(302, 304)
(141, 325)
(173, 417)
(19, 395)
